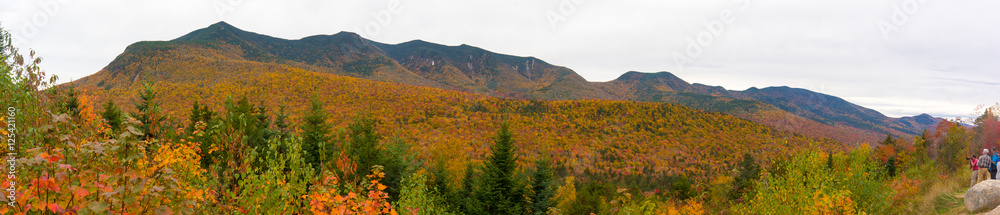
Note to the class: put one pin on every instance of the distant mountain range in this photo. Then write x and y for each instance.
(470, 69)
(826, 109)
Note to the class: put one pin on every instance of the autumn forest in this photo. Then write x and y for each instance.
(223, 121)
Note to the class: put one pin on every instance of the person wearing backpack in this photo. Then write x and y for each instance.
(985, 161)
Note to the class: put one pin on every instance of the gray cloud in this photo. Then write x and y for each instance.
(834, 47)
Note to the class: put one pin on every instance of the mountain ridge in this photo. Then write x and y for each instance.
(820, 107)
(472, 69)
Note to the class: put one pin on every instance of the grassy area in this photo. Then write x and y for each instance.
(944, 197)
(948, 203)
(936, 192)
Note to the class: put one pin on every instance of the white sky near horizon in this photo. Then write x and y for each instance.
(899, 57)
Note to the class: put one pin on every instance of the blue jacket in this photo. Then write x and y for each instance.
(995, 159)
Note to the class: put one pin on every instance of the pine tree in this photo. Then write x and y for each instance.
(72, 104)
(253, 123)
(194, 118)
(282, 132)
(439, 183)
(888, 141)
(890, 167)
(314, 134)
(920, 146)
(467, 202)
(201, 114)
(363, 147)
(259, 132)
(498, 192)
(112, 115)
(590, 198)
(365, 150)
(149, 112)
(542, 187)
(749, 172)
(281, 122)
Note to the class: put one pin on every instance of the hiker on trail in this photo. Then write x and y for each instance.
(975, 169)
(993, 168)
(985, 161)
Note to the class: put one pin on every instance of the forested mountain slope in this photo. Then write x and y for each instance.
(826, 116)
(595, 136)
(227, 51)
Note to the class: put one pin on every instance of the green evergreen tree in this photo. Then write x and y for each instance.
(681, 187)
(283, 131)
(396, 160)
(281, 122)
(203, 135)
(193, 118)
(233, 135)
(498, 192)
(365, 150)
(439, 183)
(542, 187)
(149, 112)
(888, 141)
(890, 167)
(252, 122)
(466, 199)
(112, 115)
(749, 172)
(260, 130)
(314, 134)
(590, 198)
(72, 103)
(920, 146)
(890, 164)
(363, 146)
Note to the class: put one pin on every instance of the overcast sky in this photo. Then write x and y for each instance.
(900, 57)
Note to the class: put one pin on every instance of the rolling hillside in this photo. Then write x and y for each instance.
(827, 116)
(224, 50)
(222, 121)
(586, 136)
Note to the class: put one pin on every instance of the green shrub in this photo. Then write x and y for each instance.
(417, 198)
(809, 187)
(277, 190)
(590, 198)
